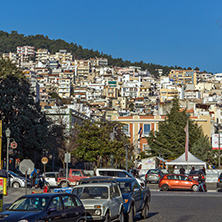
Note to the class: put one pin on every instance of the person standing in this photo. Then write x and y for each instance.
(182, 170)
(33, 177)
(204, 170)
(201, 182)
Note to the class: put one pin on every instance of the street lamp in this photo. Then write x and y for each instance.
(7, 133)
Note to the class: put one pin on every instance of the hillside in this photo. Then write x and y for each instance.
(9, 42)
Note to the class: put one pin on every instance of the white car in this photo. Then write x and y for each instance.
(117, 173)
(51, 178)
(102, 201)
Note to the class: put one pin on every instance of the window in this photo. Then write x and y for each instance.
(108, 173)
(50, 175)
(172, 177)
(135, 185)
(122, 174)
(68, 202)
(125, 129)
(182, 178)
(146, 129)
(78, 202)
(76, 173)
(56, 203)
(117, 190)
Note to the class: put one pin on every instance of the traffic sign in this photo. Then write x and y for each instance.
(13, 145)
(67, 158)
(44, 160)
(26, 165)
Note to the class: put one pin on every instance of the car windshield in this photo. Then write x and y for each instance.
(29, 204)
(153, 171)
(124, 187)
(91, 192)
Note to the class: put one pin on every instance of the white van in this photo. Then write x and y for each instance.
(116, 173)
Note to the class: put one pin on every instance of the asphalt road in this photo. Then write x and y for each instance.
(185, 206)
(169, 206)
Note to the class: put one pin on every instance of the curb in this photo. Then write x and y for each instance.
(208, 191)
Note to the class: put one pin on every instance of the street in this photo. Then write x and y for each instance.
(182, 206)
(173, 206)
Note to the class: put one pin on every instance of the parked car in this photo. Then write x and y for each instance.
(153, 176)
(17, 181)
(117, 173)
(51, 178)
(178, 181)
(102, 201)
(219, 182)
(74, 175)
(135, 198)
(45, 207)
(194, 174)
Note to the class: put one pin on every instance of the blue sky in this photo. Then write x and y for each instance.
(167, 32)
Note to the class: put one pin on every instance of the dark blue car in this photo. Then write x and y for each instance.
(136, 199)
(45, 207)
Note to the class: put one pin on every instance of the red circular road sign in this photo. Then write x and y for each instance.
(13, 145)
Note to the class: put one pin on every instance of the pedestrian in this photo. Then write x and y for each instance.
(204, 170)
(192, 169)
(33, 177)
(201, 182)
(182, 170)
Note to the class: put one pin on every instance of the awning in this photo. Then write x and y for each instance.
(161, 159)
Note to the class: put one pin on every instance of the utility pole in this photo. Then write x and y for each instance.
(0, 144)
(219, 145)
(218, 127)
(7, 133)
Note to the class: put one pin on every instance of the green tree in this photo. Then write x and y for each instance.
(20, 113)
(95, 145)
(203, 150)
(169, 140)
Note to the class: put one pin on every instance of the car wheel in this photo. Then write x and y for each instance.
(145, 211)
(16, 185)
(195, 188)
(107, 217)
(121, 216)
(130, 215)
(164, 187)
(63, 184)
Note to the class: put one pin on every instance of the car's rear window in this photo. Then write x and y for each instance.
(153, 171)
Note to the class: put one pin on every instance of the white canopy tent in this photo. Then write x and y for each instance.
(192, 161)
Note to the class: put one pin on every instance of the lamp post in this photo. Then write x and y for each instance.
(7, 133)
(126, 149)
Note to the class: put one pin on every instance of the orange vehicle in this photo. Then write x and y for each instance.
(178, 181)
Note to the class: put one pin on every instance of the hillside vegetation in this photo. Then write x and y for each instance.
(9, 42)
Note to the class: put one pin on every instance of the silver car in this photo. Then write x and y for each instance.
(102, 201)
(17, 181)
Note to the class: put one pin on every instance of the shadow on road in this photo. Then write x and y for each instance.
(138, 218)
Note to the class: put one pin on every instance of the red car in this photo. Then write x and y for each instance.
(178, 181)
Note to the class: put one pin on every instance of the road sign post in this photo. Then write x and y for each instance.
(26, 167)
(67, 161)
